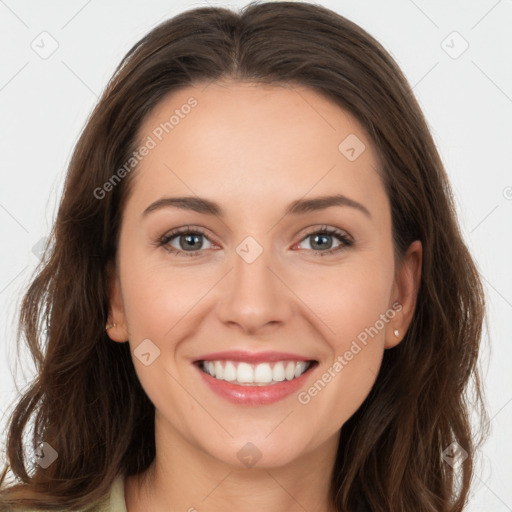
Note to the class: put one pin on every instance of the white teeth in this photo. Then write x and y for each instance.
(300, 368)
(263, 374)
(290, 371)
(278, 372)
(260, 374)
(219, 371)
(244, 373)
(230, 371)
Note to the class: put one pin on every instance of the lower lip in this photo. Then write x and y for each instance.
(254, 395)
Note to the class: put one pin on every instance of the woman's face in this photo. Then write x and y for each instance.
(257, 289)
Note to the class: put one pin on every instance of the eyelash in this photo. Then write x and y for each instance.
(324, 230)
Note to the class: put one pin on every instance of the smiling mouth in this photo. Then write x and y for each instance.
(263, 374)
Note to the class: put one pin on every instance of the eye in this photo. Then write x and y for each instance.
(322, 239)
(189, 241)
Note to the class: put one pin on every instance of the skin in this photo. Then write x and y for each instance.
(254, 149)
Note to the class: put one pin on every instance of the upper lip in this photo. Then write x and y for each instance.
(254, 357)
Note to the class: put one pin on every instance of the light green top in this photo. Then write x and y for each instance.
(113, 502)
(116, 502)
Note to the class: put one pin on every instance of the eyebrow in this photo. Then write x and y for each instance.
(298, 207)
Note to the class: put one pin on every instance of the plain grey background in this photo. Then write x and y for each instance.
(56, 57)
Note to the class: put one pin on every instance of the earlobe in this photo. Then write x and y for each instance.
(116, 327)
(405, 293)
(393, 338)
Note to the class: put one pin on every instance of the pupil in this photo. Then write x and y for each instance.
(322, 237)
(189, 240)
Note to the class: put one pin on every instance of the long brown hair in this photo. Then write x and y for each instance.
(86, 401)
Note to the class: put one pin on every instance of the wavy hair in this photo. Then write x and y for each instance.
(86, 401)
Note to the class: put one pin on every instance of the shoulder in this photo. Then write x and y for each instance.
(116, 501)
(113, 502)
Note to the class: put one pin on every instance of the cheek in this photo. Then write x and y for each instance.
(157, 298)
(354, 307)
(344, 381)
(343, 386)
(349, 299)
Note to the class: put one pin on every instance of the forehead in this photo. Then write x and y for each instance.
(242, 141)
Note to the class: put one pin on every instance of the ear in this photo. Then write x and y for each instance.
(116, 312)
(405, 293)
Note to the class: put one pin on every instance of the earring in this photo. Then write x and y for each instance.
(108, 326)
(396, 333)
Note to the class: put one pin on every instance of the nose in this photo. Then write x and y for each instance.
(254, 295)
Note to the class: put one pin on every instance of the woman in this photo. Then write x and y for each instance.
(257, 296)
